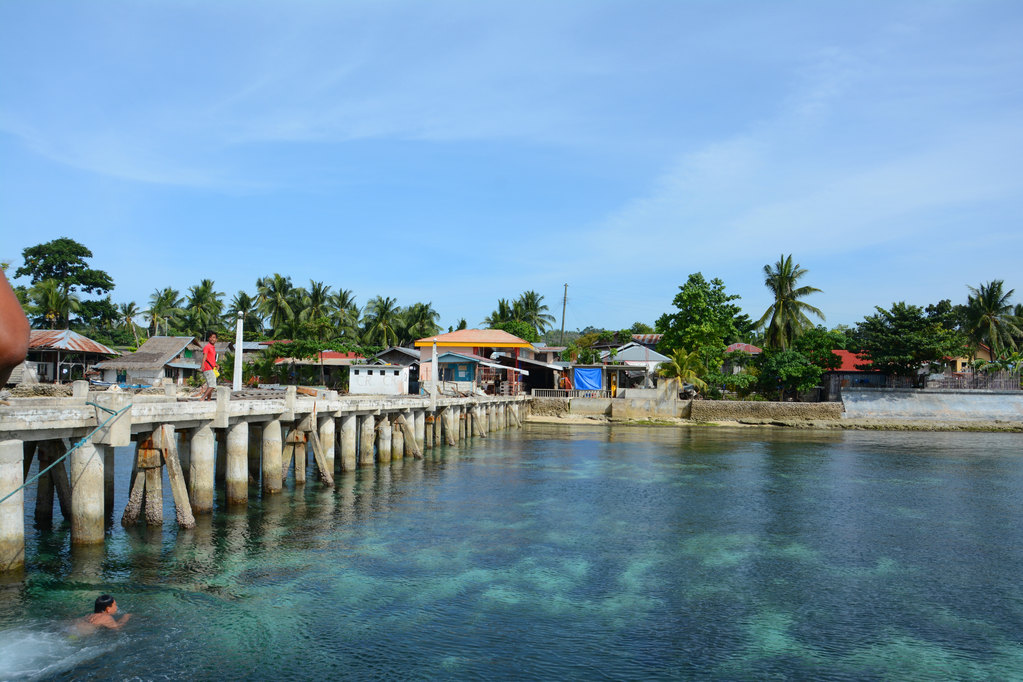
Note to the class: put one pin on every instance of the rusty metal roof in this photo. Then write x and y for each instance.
(647, 338)
(475, 338)
(153, 354)
(66, 340)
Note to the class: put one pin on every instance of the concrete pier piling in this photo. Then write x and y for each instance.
(272, 454)
(397, 441)
(384, 440)
(428, 430)
(238, 464)
(349, 440)
(12, 515)
(87, 509)
(326, 433)
(202, 470)
(417, 420)
(367, 439)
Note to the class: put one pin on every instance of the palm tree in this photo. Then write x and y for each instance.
(129, 311)
(684, 366)
(344, 313)
(991, 318)
(244, 305)
(787, 314)
(164, 306)
(382, 320)
(504, 313)
(532, 311)
(54, 302)
(316, 304)
(420, 321)
(276, 301)
(204, 306)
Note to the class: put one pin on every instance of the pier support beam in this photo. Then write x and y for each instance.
(428, 430)
(397, 441)
(238, 464)
(349, 454)
(12, 515)
(417, 420)
(462, 433)
(86, 495)
(326, 426)
(201, 470)
(384, 440)
(272, 449)
(367, 436)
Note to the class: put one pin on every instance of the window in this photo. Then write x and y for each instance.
(395, 372)
(356, 372)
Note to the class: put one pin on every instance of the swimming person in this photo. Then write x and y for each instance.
(102, 616)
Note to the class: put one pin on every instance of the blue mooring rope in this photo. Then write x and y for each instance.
(113, 415)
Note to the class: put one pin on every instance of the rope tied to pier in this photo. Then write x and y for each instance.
(113, 415)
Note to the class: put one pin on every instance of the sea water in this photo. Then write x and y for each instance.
(566, 552)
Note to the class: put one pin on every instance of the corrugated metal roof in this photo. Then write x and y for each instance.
(66, 340)
(496, 338)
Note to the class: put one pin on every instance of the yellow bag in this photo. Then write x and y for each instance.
(216, 372)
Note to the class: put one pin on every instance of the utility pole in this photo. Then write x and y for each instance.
(564, 304)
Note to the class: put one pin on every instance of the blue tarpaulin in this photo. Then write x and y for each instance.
(588, 378)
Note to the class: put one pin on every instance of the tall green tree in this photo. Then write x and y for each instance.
(991, 318)
(704, 321)
(204, 307)
(504, 313)
(345, 314)
(246, 306)
(382, 321)
(530, 308)
(277, 302)
(903, 339)
(64, 260)
(53, 302)
(419, 321)
(786, 318)
(165, 307)
(129, 311)
(317, 302)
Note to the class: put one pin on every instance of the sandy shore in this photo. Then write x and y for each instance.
(844, 424)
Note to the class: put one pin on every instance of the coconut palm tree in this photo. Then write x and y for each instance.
(685, 366)
(786, 318)
(164, 307)
(54, 302)
(991, 318)
(204, 307)
(505, 313)
(420, 321)
(276, 300)
(531, 310)
(382, 321)
(246, 306)
(344, 313)
(129, 311)
(316, 304)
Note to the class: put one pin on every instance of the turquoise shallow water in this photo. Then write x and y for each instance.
(570, 553)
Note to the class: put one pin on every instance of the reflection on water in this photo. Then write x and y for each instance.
(568, 553)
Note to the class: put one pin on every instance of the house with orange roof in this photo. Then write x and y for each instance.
(505, 379)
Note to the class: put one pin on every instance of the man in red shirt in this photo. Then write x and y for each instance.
(209, 364)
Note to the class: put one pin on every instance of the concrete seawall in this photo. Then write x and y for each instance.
(700, 410)
(940, 405)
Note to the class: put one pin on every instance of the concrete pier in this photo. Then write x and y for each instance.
(86, 495)
(349, 439)
(201, 475)
(12, 512)
(235, 439)
(384, 441)
(326, 433)
(367, 439)
(272, 454)
(237, 472)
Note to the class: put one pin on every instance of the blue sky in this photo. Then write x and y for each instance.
(460, 152)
